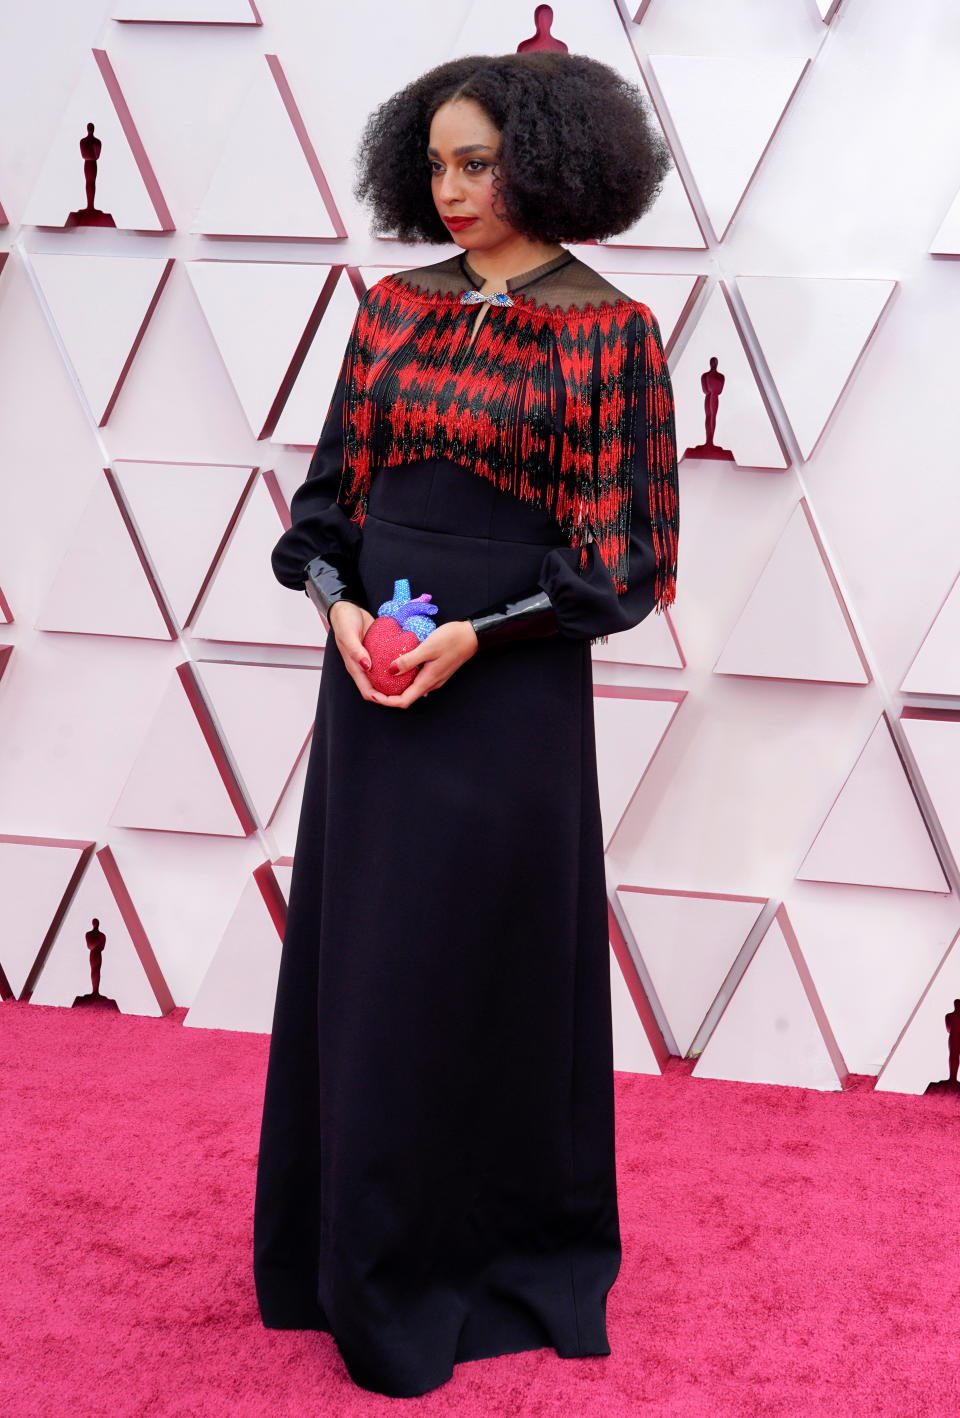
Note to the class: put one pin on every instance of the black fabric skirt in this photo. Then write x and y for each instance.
(436, 1177)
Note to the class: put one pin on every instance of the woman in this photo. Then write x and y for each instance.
(436, 1176)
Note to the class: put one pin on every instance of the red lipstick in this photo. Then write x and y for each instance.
(458, 223)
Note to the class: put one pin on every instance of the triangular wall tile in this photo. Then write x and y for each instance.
(773, 1027)
(266, 714)
(743, 422)
(726, 110)
(100, 307)
(126, 185)
(813, 331)
(936, 666)
(102, 586)
(38, 877)
(305, 410)
(183, 513)
(630, 726)
(181, 780)
(244, 602)
(921, 1055)
(794, 624)
(874, 833)
(868, 952)
(130, 974)
(283, 302)
(240, 987)
(934, 739)
(688, 944)
(269, 181)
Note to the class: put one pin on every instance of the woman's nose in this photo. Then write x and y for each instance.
(449, 186)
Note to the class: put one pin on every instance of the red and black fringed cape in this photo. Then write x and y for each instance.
(416, 388)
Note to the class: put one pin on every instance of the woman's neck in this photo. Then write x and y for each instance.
(497, 269)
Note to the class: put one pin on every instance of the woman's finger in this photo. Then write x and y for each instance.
(352, 648)
(356, 669)
(420, 688)
(348, 629)
(418, 655)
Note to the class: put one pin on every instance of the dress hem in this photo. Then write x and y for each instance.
(400, 1392)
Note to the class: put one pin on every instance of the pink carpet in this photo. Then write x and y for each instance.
(786, 1252)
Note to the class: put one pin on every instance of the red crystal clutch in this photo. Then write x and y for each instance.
(401, 623)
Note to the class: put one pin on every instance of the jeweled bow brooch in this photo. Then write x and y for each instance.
(497, 297)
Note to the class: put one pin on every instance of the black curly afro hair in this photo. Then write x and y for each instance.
(579, 158)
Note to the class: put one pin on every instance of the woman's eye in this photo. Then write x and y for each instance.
(478, 162)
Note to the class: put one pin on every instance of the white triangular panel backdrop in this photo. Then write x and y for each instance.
(725, 111)
(793, 625)
(306, 407)
(34, 878)
(688, 945)
(816, 326)
(743, 424)
(182, 550)
(793, 556)
(240, 986)
(263, 185)
(768, 1032)
(920, 1055)
(258, 312)
(874, 833)
(175, 784)
(101, 586)
(100, 306)
(124, 977)
(125, 182)
(244, 602)
(265, 713)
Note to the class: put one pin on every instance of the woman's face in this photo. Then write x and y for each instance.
(463, 181)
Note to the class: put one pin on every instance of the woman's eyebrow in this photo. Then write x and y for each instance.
(459, 152)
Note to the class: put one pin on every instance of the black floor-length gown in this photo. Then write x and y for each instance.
(436, 1177)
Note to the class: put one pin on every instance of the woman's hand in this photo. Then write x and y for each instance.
(349, 623)
(441, 653)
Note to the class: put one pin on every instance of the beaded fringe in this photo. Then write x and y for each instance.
(661, 466)
(414, 390)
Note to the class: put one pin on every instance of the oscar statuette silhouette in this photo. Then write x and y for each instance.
(96, 940)
(711, 382)
(90, 215)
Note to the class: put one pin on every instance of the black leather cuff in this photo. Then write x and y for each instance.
(524, 618)
(331, 579)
